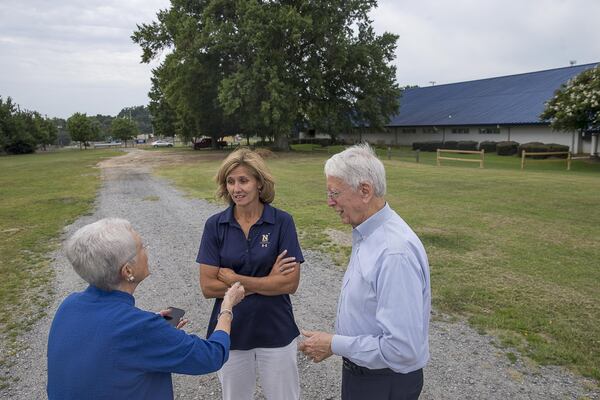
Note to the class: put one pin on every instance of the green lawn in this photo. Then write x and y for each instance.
(516, 252)
(39, 195)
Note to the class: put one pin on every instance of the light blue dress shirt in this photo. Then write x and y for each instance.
(385, 301)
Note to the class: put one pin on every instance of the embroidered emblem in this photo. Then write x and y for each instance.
(265, 240)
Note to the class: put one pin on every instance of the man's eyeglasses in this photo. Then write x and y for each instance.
(333, 194)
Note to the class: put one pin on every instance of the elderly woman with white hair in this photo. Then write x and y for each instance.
(102, 347)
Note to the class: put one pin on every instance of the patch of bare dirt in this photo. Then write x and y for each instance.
(139, 158)
(339, 237)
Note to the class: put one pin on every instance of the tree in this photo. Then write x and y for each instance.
(102, 123)
(62, 137)
(269, 67)
(17, 128)
(575, 106)
(140, 115)
(82, 129)
(164, 119)
(124, 129)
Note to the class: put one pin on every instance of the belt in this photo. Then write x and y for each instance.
(358, 370)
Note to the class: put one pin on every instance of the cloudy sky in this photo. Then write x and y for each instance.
(65, 56)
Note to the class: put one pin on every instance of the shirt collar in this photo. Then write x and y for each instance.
(268, 215)
(113, 295)
(373, 222)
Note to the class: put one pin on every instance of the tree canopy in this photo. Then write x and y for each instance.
(82, 128)
(22, 131)
(123, 129)
(270, 68)
(576, 105)
(140, 115)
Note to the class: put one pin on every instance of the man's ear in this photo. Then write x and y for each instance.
(366, 191)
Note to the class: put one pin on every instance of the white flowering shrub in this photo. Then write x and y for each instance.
(576, 105)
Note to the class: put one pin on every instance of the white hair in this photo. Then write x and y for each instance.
(358, 164)
(99, 250)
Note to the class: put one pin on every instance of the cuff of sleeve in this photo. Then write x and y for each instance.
(340, 345)
(221, 337)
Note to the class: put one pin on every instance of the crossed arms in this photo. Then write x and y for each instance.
(284, 278)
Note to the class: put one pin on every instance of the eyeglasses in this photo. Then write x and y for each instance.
(333, 194)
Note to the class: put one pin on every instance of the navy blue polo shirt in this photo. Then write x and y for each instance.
(260, 321)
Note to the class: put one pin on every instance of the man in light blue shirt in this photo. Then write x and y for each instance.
(382, 324)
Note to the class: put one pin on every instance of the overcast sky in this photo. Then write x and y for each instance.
(65, 56)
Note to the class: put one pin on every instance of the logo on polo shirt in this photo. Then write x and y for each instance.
(265, 240)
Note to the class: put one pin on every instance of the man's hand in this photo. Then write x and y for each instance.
(317, 345)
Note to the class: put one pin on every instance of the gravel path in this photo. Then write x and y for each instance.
(464, 364)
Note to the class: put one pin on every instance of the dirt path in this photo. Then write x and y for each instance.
(464, 364)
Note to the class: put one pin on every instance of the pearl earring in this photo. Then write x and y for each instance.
(131, 278)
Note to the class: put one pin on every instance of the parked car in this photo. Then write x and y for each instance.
(206, 143)
(162, 143)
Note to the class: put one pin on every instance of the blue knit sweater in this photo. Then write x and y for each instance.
(102, 347)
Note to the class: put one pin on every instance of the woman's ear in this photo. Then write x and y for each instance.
(126, 271)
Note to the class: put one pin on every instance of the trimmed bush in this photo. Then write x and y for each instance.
(533, 147)
(467, 145)
(488, 146)
(555, 147)
(427, 146)
(507, 148)
(450, 145)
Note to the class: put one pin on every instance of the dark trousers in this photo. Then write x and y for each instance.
(359, 383)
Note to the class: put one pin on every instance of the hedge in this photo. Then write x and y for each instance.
(427, 146)
(507, 148)
(467, 145)
(488, 146)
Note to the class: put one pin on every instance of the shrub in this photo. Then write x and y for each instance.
(507, 148)
(467, 145)
(555, 147)
(450, 145)
(533, 147)
(488, 146)
(427, 146)
(19, 147)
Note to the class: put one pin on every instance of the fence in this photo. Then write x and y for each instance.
(552, 153)
(480, 152)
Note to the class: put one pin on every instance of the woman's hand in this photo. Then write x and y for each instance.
(283, 265)
(182, 321)
(233, 296)
(227, 276)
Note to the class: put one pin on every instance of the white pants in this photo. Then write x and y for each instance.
(277, 369)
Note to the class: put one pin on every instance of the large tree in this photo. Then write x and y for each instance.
(140, 115)
(575, 106)
(267, 68)
(124, 129)
(82, 129)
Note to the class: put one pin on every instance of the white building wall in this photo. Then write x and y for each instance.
(519, 133)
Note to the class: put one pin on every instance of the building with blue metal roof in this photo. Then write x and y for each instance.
(492, 109)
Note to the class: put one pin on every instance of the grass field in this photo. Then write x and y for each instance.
(516, 252)
(39, 195)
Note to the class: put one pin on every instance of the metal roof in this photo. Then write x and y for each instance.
(514, 99)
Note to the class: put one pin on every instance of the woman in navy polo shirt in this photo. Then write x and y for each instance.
(256, 244)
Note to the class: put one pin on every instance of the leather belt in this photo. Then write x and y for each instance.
(358, 370)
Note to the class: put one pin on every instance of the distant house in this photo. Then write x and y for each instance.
(496, 109)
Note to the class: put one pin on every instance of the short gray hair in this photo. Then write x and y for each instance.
(98, 251)
(358, 164)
